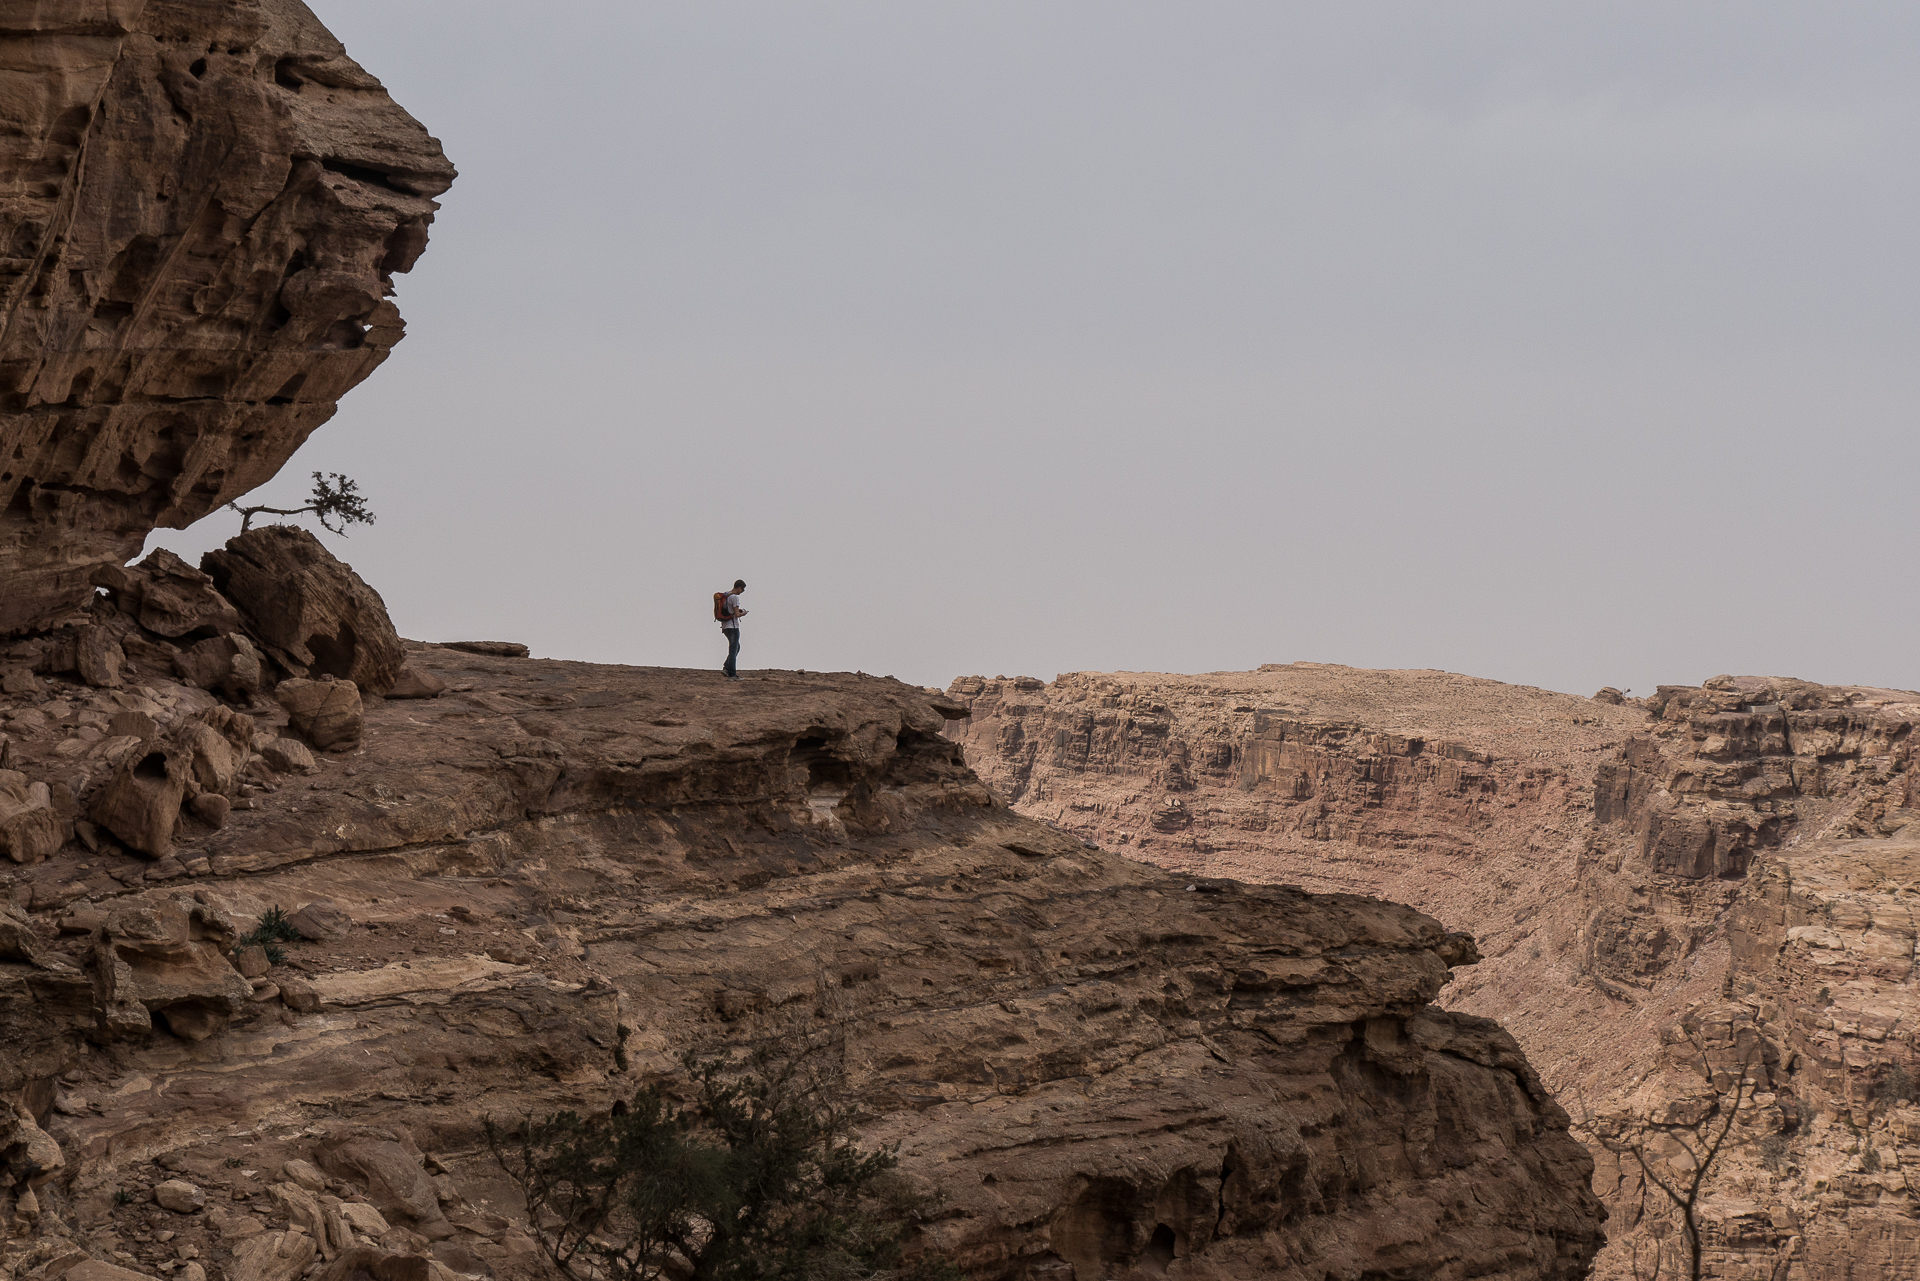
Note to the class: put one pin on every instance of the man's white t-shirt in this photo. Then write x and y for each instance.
(733, 608)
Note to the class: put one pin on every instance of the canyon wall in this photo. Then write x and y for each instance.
(202, 209)
(1641, 875)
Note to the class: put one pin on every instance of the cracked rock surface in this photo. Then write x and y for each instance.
(202, 209)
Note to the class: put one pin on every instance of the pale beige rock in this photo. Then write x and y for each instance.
(272, 1256)
(326, 713)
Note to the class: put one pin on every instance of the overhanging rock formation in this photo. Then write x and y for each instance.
(202, 208)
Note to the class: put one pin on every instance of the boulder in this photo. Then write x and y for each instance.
(18, 680)
(319, 921)
(220, 742)
(313, 613)
(141, 802)
(18, 942)
(288, 756)
(272, 1256)
(167, 957)
(252, 962)
(226, 665)
(390, 1172)
(179, 1196)
(305, 1174)
(168, 597)
(30, 828)
(414, 683)
(98, 658)
(325, 712)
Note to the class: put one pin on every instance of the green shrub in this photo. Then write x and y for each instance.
(757, 1178)
(273, 930)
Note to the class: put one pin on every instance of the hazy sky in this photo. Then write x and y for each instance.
(1564, 344)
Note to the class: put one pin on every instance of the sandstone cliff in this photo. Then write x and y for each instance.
(536, 889)
(1641, 874)
(202, 208)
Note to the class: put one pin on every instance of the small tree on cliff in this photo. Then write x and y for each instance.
(758, 1179)
(336, 499)
(1701, 1140)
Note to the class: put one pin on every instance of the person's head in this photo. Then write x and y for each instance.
(739, 584)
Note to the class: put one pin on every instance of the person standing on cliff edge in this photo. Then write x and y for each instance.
(730, 615)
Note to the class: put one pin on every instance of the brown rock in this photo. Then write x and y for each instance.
(288, 756)
(319, 921)
(100, 1270)
(313, 614)
(30, 829)
(228, 665)
(163, 359)
(251, 961)
(18, 680)
(167, 596)
(179, 1196)
(164, 957)
(141, 801)
(211, 808)
(493, 649)
(414, 683)
(298, 994)
(18, 942)
(98, 657)
(326, 713)
(390, 1172)
(272, 1256)
(132, 724)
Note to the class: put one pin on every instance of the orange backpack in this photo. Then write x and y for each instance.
(720, 607)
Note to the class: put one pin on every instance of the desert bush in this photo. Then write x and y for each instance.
(756, 1178)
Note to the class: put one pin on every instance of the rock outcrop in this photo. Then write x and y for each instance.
(542, 887)
(202, 211)
(1670, 891)
(312, 613)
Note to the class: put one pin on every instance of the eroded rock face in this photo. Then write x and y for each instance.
(1672, 892)
(556, 877)
(202, 208)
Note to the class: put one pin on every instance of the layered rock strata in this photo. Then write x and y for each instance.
(202, 209)
(536, 890)
(1652, 881)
